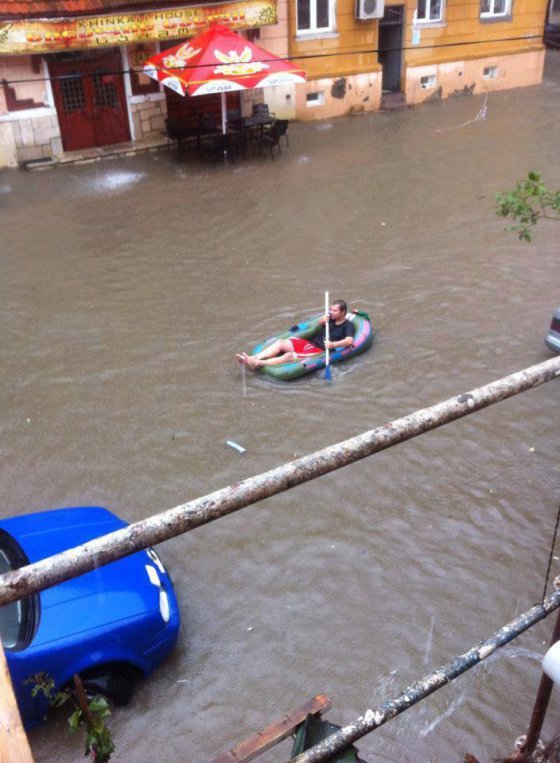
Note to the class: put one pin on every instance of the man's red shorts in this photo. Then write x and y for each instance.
(303, 348)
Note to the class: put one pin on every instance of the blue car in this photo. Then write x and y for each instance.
(112, 625)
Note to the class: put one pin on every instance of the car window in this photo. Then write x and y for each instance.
(18, 621)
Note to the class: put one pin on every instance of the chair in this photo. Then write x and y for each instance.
(207, 122)
(238, 139)
(207, 130)
(271, 137)
(283, 130)
(233, 115)
(262, 110)
(175, 131)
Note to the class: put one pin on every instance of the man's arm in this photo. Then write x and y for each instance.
(347, 341)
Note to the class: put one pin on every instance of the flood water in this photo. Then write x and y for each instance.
(126, 288)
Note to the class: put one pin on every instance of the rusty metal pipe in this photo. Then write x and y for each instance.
(147, 532)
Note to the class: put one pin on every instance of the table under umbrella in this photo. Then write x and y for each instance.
(220, 61)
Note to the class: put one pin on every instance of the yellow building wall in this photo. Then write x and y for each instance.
(465, 54)
(342, 67)
(464, 36)
(462, 54)
(351, 49)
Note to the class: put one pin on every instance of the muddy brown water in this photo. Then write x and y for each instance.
(126, 288)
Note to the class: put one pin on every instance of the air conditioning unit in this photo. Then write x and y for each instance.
(369, 9)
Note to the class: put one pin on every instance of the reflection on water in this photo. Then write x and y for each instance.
(120, 318)
(112, 181)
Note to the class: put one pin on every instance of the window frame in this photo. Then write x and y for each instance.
(433, 21)
(490, 15)
(314, 30)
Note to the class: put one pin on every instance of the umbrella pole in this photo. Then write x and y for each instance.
(224, 125)
(224, 112)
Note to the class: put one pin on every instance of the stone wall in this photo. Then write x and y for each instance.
(148, 116)
(33, 137)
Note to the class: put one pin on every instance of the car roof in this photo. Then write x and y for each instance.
(116, 591)
(45, 533)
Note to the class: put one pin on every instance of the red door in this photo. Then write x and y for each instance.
(90, 100)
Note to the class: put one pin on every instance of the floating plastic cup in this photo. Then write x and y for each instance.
(551, 663)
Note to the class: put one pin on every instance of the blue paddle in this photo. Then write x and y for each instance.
(328, 376)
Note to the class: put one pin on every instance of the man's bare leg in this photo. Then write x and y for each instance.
(253, 361)
(280, 351)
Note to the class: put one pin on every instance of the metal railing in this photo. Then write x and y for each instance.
(186, 517)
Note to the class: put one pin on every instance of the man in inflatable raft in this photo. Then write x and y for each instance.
(341, 334)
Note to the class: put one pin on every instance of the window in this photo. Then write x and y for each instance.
(494, 8)
(490, 72)
(18, 621)
(428, 82)
(315, 16)
(429, 10)
(315, 99)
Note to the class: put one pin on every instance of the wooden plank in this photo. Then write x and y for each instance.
(276, 732)
(13, 741)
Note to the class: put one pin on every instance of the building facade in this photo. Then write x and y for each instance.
(72, 79)
(360, 54)
(71, 71)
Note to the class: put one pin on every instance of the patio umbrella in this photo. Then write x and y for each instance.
(220, 61)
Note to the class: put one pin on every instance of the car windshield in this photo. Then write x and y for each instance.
(17, 620)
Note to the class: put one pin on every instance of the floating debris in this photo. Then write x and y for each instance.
(235, 446)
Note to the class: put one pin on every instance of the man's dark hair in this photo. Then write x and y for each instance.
(341, 304)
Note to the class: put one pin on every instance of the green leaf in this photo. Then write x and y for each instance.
(526, 204)
(98, 703)
(75, 720)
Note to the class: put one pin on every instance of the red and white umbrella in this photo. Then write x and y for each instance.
(220, 61)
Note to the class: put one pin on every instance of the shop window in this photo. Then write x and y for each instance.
(140, 83)
(315, 16)
(495, 9)
(429, 11)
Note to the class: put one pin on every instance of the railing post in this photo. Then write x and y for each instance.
(541, 702)
(13, 740)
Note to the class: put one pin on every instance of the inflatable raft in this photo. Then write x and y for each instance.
(363, 337)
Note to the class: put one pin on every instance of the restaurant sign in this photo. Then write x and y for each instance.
(46, 36)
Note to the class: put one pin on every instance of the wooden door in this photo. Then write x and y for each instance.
(73, 105)
(109, 102)
(90, 101)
